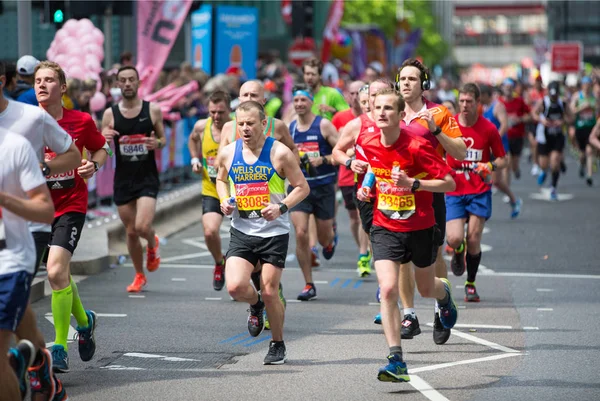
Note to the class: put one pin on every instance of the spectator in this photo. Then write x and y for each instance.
(372, 72)
(11, 80)
(70, 98)
(126, 59)
(24, 91)
(445, 91)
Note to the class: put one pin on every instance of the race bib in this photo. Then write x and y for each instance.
(133, 148)
(554, 130)
(474, 155)
(250, 198)
(311, 149)
(211, 169)
(2, 233)
(59, 181)
(587, 115)
(395, 203)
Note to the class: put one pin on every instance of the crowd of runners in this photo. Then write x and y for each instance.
(414, 175)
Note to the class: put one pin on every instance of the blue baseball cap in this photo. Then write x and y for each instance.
(586, 80)
(509, 81)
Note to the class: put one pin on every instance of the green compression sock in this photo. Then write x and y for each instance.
(62, 301)
(77, 308)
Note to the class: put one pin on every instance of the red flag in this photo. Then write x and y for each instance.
(336, 12)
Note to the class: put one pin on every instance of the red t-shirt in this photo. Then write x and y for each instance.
(482, 138)
(69, 191)
(398, 209)
(515, 108)
(339, 121)
(367, 127)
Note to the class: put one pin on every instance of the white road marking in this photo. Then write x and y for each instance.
(544, 195)
(178, 279)
(464, 362)
(541, 275)
(162, 357)
(481, 326)
(212, 299)
(137, 296)
(424, 388)
(486, 248)
(321, 282)
(530, 328)
(486, 230)
(70, 335)
(184, 257)
(482, 341)
(461, 307)
(374, 304)
(545, 309)
(103, 314)
(195, 243)
(544, 289)
(119, 367)
(485, 270)
(293, 301)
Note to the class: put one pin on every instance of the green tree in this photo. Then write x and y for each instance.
(432, 48)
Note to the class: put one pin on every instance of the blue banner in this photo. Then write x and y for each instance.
(236, 41)
(202, 37)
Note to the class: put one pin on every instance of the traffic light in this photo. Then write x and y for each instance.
(58, 16)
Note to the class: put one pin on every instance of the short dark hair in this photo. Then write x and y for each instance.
(471, 88)
(313, 62)
(485, 89)
(413, 62)
(301, 87)
(128, 67)
(252, 105)
(126, 56)
(2, 68)
(220, 97)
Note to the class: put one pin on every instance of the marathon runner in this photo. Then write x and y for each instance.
(327, 100)
(70, 196)
(252, 172)
(434, 123)
(584, 106)
(204, 147)
(518, 114)
(315, 137)
(24, 197)
(404, 228)
(495, 112)
(42, 131)
(346, 181)
(533, 95)
(471, 201)
(136, 127)
(363, 99)
(552, 114)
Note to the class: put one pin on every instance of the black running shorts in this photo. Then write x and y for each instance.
(211, 205)
(66, 231)
(419, 247)
(320, 202)
(439, 209)
(348, 195)
(271, 250)
(515, 146)
(554, 143)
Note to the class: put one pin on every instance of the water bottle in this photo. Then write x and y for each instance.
(367, 184)
(305, 164)
(231, 200)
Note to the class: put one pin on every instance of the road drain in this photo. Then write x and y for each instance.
(169, 360)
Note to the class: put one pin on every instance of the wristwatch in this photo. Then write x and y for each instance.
(349, 164)
(324, 160)
(283, 208)
(96, 166)
(416, 185)
(437, 131)
(45, 169)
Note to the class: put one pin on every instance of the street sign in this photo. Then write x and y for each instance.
(566, 57)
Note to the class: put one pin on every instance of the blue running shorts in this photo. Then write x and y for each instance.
(461, 206)
(14, 296)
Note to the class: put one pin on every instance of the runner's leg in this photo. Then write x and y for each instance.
(127, 213)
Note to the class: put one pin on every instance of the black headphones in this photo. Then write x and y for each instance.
(425, 82)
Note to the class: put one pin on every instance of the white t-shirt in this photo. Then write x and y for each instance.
(19, 173)
(40, 129)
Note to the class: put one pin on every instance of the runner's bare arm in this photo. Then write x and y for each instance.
(195, 145)
(445, 184)
(108, 123)
(502, 116)
(157, 122)
(346, 141)
(331, 135)
(38, 207)
(536, 110)
(226, 134)
(595, 135)
(282, 134)
(286, 163)
(65, 162)
(450, 138)
(222, 182)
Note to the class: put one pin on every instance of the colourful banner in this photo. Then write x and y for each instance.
(236, 37)
(336, 12)
(202, 36)
(158, 22)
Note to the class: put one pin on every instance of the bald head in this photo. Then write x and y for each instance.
(355, 86)
(252, 90)
(352, 95)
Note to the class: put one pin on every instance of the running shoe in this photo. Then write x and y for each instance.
(87, 341)
(535, 170)
(364, 266)
(153, 256)
(440, 333)
(458, 262)
(309, 292)
(518, 175)
(219, 276)
(581, 171)
(553, 195)
(43, 386)
(329, 250)
(276, 354)
(60, 359)
(471, 294)
(542, 178)
(563, 167)
(516, 209)
(589, 181)
(20, 359)
(377, 319)
(410, 327)
(256, 322)
(448, 312)
(138, 283)
(395, 371)
(61, 394)
(314, 257)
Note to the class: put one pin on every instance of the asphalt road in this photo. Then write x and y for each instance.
(533, 336)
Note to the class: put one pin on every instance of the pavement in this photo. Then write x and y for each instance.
(532, 336)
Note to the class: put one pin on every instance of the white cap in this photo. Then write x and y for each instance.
(26, 65)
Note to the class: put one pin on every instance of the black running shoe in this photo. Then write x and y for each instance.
(276, 354)
(458, 263)
(410, 327)
(563, 167)
(309, 292)
(87, 341)
(471, 294)
(581, 171)
(219, 276)
(589, 181)
(440, 333)
(256, 321)
(518, 174)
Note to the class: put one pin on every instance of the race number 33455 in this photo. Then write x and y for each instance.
(133, 147)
